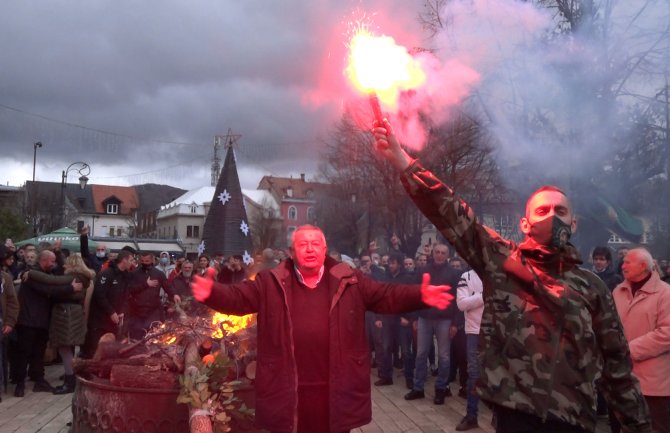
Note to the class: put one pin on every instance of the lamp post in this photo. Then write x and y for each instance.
(33, 199)
(35, 146)
(84, 170)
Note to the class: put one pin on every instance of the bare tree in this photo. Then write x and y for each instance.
(265, 225)
(368, 201)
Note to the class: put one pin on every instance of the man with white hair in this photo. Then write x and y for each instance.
(313, 370)
(643, 303)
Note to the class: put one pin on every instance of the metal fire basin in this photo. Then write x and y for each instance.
(99, 407)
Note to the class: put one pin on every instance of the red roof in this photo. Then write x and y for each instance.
(125, 194)
(301, 188)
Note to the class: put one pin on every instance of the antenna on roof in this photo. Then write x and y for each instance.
(228, 141)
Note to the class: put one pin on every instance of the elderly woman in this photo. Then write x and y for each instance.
(68, 317)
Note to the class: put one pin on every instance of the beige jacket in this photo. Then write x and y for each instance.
(646, 324)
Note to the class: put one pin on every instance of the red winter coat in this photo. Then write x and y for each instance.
(276, 375)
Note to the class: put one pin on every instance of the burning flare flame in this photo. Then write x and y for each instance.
(230, 324)
(378, 65)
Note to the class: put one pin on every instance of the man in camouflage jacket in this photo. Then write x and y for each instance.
(550, 330)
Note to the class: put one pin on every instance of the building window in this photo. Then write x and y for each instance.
(111, 231)
(194, 208)
(289, 234)
(310, 214)
(112, 208)
(192, 231)
(292, 213)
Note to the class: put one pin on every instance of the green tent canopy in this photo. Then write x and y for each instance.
(69, 239)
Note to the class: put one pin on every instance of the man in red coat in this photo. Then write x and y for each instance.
(313, 371)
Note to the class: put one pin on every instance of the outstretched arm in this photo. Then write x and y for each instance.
(435, 296)
(238, 299)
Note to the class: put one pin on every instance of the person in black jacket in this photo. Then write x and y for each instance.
(108, 303)
(395, 330)
(144, 300)
(439, 323)
(95, 261)
(603, 268)
(33, 327)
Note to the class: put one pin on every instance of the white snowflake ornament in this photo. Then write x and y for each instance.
(201, 248)
(246, 258)
(224, 197)
(245, 228)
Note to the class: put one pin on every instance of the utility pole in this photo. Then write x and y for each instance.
(227, 140)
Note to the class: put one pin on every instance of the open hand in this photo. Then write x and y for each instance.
(435, 296)
(202, 286)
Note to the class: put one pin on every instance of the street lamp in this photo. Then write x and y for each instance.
(33, 199)
(35, 146)
(84, 170)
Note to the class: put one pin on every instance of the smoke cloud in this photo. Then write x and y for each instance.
(554, 99)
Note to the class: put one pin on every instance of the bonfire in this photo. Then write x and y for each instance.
(207, 356)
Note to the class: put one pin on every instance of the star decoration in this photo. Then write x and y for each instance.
(201, 248)
(245, 228)
(246, 258)
(224, 197)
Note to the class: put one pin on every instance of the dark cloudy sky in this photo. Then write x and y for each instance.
(139, 89)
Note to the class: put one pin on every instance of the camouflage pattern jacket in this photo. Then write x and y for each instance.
(549, 330)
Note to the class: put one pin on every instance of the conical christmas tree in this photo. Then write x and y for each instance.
(226, 226)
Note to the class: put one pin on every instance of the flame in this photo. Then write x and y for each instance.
(378, 65)
(230, 324)
(171, 340)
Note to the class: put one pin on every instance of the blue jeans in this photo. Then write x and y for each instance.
(407, 350)
(390, 329)
(472, 340)
(427, 328)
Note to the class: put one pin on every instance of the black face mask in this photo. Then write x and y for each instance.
(552, 232)
(146, 267)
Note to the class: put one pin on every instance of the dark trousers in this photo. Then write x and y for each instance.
(390, 329)
(514, 421)
(3, 363)
(408, 349)
(93, 334)
(138, 326)
(459, 359)
(659, 409)
(31, 345)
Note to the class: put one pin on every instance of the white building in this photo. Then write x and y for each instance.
(184, 217)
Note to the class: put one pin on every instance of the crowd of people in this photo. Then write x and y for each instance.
(539, 336)
(57, 304)
(427, 341)
(71, 300)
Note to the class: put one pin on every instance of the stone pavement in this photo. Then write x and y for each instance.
(391, 413)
